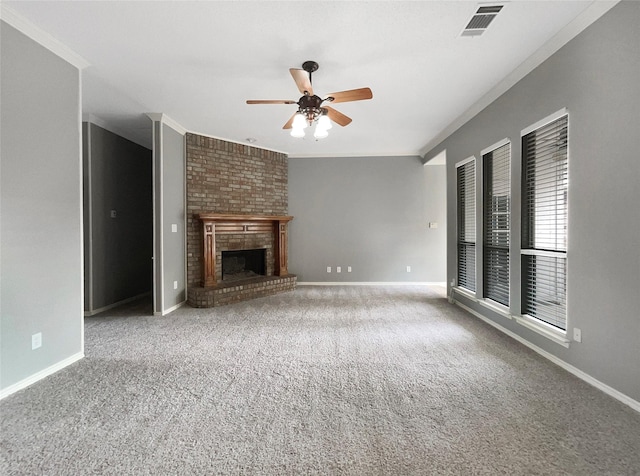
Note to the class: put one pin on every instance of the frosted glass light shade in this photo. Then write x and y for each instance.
(320, 133)
(324, 122)
(297, 132)
(299, 121)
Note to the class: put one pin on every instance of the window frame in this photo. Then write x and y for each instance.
(487, 214)
(529, 250)
(461, 223)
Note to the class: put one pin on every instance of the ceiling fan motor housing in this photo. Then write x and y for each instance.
(310, 107)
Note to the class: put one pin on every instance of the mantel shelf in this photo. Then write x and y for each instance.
(222, 217)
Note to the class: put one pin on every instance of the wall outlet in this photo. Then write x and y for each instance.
(577, 334)
(175, 285)
(328, 269)
(338, 269)
(113, 214)
(36, 340)
(408, 269)
(174, 228)
(348, 269)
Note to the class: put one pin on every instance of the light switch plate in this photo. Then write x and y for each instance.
(36, 340)
(577, 334)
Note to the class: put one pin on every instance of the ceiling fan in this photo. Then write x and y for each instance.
(310, 106)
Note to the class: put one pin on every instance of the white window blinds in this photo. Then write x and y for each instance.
(497, 220)
(466, 177)
(544, 222)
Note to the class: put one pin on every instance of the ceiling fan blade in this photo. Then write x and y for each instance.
(301, 77)
(271, 101)
(351, 95)
(289, 123)
(337, 116)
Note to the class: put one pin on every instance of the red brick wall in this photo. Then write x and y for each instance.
(225, 177)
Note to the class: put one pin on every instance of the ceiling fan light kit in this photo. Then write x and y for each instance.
(310, 106)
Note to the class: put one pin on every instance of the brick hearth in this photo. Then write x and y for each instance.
(235, 292)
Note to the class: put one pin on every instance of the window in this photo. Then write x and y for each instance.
(466, 173)
(544, 222)
(497, 219)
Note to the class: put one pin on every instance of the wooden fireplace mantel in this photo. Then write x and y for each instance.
(219, 223)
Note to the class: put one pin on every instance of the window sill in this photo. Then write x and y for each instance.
(543, 329)
(530, 323)
(466, 293)
(488, 303)
(496, 307)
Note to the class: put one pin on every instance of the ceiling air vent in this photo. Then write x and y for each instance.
(481, 20)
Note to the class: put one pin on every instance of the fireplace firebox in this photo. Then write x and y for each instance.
(238, 265)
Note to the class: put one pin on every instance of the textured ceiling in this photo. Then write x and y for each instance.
(198, 62)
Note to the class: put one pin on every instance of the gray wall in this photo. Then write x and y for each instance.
(118, 251)
(174, 204)
(169, 166)
(595, 76)
(40, 209)
(370, 213)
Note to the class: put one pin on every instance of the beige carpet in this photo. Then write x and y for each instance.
(322, 380)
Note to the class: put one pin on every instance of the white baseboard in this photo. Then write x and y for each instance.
(40, 375)
(369, 283)
(115, 304)
(561, 363)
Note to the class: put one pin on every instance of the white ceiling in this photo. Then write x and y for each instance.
(198, 62)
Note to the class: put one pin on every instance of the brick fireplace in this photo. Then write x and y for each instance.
(240, 192)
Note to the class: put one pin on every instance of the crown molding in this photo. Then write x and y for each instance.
(203, 134)
(350, 156)
(163, 118)
(371, 283)
(573, 29)
(40, 36)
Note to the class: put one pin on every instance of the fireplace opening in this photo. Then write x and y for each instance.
(243, 264)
